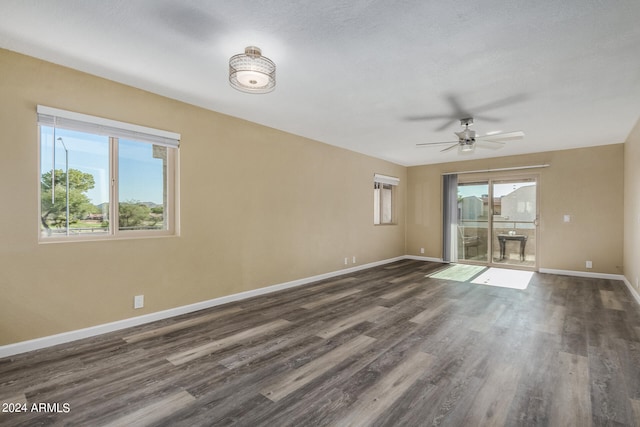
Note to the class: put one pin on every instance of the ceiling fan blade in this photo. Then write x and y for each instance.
(424, 118)
(505, 136)
(458, 110)
(446, 125)
(487, 119)
(513, 99)
(450, 148)
(424, 144)
(492, 145)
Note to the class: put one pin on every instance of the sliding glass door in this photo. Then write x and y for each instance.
(497, 222)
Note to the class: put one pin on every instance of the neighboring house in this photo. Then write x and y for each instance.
(519, 205)
(471, 208)
(95, 217)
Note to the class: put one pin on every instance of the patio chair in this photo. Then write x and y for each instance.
(468, 242)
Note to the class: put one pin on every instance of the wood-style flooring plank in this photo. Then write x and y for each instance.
(206, 349)
(635, 404)
(610, 301)
(378, 398)
(399, 291)
(154, 412)
(255, 351)
(571, 383)
(434, 310)
(535, 393)
(609, 399)
(307, 373)
(493, 400)
(152, 333)
(329, 298)
(629, 356)
(574, 338)
(484, 321)
(551, 319)
(370, 314)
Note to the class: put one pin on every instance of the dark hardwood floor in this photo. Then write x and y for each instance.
(387, 346)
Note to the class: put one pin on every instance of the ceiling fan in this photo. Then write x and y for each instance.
(467, 139)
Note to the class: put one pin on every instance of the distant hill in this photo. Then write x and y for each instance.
(150, 204)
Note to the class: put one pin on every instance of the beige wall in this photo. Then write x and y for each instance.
(632, 208)
(584, 183)
(258, 207)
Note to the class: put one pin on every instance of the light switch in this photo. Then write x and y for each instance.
(567, 218)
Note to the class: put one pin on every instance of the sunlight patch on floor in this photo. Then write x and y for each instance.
(458, 272)
(513, 279)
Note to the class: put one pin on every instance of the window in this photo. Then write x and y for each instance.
(384, 199)
(103, 179)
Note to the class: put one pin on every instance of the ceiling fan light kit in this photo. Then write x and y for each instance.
(251, 72)
(467, 148)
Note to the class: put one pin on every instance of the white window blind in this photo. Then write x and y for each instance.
(54, 117)
(384, 179)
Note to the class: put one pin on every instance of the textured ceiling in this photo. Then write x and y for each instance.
(375, 77)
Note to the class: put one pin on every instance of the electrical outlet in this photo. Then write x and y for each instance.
(354, 259)
(637, 283)
(421, 250)
(589, 264)
(138, 301)
(346, 261)
(567, 218)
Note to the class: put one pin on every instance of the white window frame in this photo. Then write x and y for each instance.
(380, 181)
(115, 130)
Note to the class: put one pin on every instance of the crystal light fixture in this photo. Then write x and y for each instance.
(251, 72)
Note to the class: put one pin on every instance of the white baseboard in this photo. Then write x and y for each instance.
(634, 292)
(49, 341)
(423, 258)
(582, 274)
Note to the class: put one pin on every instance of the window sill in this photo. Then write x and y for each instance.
(75, 239)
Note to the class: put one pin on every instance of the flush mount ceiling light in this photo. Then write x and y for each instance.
(251, 72)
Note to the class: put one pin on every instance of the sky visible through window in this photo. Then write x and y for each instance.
(499, 190)
(141, 175)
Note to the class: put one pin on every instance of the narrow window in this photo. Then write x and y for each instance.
(103, 179)
(384, 199)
